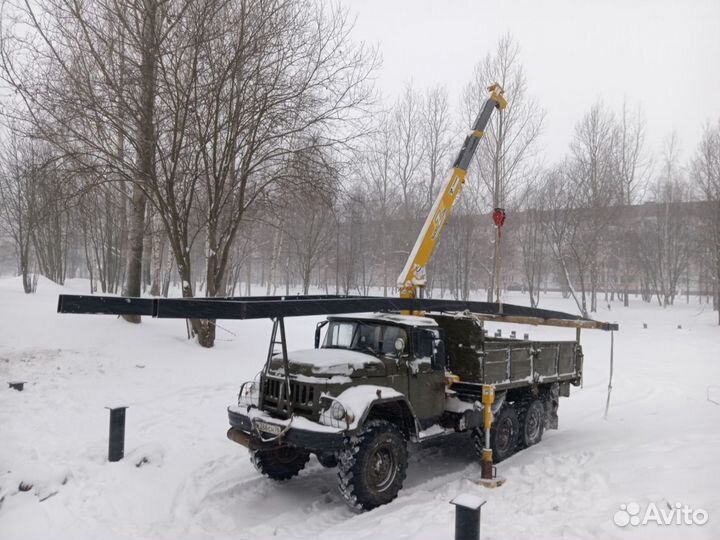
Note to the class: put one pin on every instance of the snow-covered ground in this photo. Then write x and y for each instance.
(181, 478)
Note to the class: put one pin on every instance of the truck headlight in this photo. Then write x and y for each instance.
(337, 411)
(249, 394)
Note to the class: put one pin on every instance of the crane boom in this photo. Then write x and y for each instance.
(414, 274)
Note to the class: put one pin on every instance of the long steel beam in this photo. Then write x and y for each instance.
(259, 307)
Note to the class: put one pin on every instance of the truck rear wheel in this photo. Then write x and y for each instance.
(372, 466)
(281, 463)
(532, 423)
(503, 434)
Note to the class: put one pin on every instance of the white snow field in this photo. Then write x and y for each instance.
(181, 478)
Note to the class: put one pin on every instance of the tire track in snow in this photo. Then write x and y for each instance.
(226, 497)
(218, 493)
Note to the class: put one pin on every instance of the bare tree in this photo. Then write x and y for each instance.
(277, 243)
(631, 167)
(375, 171)
(592, 176)
(666, 239)
(436, 132)
(86, 74)
(564, 230)
(504, 160)
(407, 151)
(308, 214)
(533, 244)
(197, 104)
(101, 214)
(18, 167)
(263, 110)
(706, 169)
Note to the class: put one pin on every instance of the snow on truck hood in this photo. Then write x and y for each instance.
(333, 361)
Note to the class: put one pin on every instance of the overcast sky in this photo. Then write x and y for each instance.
(664, 55)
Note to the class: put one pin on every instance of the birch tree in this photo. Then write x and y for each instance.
(505, 157)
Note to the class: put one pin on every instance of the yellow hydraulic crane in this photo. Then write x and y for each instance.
(414, 275)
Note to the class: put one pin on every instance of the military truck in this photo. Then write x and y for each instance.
(376, 381)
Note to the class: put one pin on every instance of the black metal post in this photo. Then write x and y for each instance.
(467, 517)
(286, 366)
(116, 445)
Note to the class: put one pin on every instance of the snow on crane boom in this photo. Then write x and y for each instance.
(414, 275)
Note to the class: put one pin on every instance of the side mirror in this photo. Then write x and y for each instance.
(438, 359)
(399, 345)
(317, 332)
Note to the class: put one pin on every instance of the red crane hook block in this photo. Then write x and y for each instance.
(498, 217)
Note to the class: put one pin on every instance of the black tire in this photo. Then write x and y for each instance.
(372, 466)
(281, 463)
(503, 434)
(327, 460)
(532, 423)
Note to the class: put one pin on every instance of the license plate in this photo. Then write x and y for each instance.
(268, 428)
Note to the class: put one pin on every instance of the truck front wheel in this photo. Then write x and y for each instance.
(281, 463)
(372, 465)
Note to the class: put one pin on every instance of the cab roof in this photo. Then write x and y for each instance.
(392, 318)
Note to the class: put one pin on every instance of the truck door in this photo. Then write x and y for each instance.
(426, 375)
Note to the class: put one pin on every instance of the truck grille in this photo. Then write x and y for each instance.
(274, 392)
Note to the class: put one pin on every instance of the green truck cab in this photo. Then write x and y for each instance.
(375, 382)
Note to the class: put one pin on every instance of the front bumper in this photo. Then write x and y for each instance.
(302, 433)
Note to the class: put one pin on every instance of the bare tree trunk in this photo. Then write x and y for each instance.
(248, 283)
(25, 266)
(277, 244)
(716, 295)
(593, 285)
(133, 267)
(146, 169)
(337, 255)
(156, 258)
(168, 274)
(626, 286)
(287, 273)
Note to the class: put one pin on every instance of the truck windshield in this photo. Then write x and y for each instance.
(361, 336)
